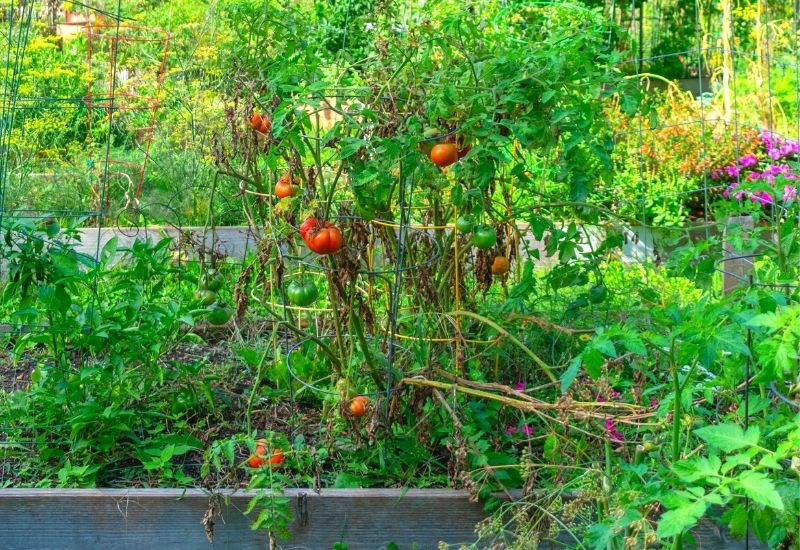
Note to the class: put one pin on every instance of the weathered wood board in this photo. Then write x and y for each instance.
(171, 518)
(163, 519)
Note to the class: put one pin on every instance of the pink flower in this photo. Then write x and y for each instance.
(653, 402)
(763, 197)
(748, 161)
(769, 139)
(511, 430)
(612, 432)
(520, 386)
(790, 148)
(527, 430)
(732, 171)
(774, 154)
(753, 176)
(789, 193)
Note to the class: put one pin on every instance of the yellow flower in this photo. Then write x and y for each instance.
(584, 337)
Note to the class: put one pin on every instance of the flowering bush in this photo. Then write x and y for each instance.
(764, 176)
(663, 156)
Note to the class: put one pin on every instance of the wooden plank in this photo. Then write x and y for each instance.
(735, 269)
(167, 518)
(368, 519)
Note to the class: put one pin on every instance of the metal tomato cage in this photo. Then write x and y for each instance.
(122, 90)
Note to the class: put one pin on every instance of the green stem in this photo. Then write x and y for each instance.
(676, 417)
(257, 382)
(535, 358)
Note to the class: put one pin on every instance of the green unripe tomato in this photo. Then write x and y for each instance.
(52, 228)
(219, 314)
(213, 282)
(465, 224)
(484, 237)
(598, 294)
(301, 292)
(205, 297)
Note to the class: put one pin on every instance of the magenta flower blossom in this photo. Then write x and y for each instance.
(748, 161)
(732, 171)
(763, 197)
(774, 154)
(769, 139)
(524, 430)
(790, 148)
(519, 386)
(753, 176)
(611, 430)
(653, 402)
(789, 193)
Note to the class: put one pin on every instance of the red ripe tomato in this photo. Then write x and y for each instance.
(255, 121)
(254, 461)
(277, 458)
(358, 405)
(323, 238)
(308, 226)
(286, 187)
(261, 447)
(500, 265)
(444, 154)
(266, 125)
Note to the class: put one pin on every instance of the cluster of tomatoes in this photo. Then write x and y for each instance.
(483, 237)
(259, 123)
(207, 296)
(260, 457)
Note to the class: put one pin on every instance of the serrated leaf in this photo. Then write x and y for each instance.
(759, 488)
(592, 362)
(570, 373)
(698, 468)
(737, 520)
(739, 459)
(729, 437)
(675, 522)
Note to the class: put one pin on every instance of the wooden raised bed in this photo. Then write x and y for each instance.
(364, 519)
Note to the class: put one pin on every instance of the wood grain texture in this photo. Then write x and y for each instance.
(165, 519)
(736, 270)
(364, 519)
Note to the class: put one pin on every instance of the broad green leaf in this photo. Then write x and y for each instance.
(706, 468)
(759, 488)
(570, 373)
(675, 522)
(729, 437)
